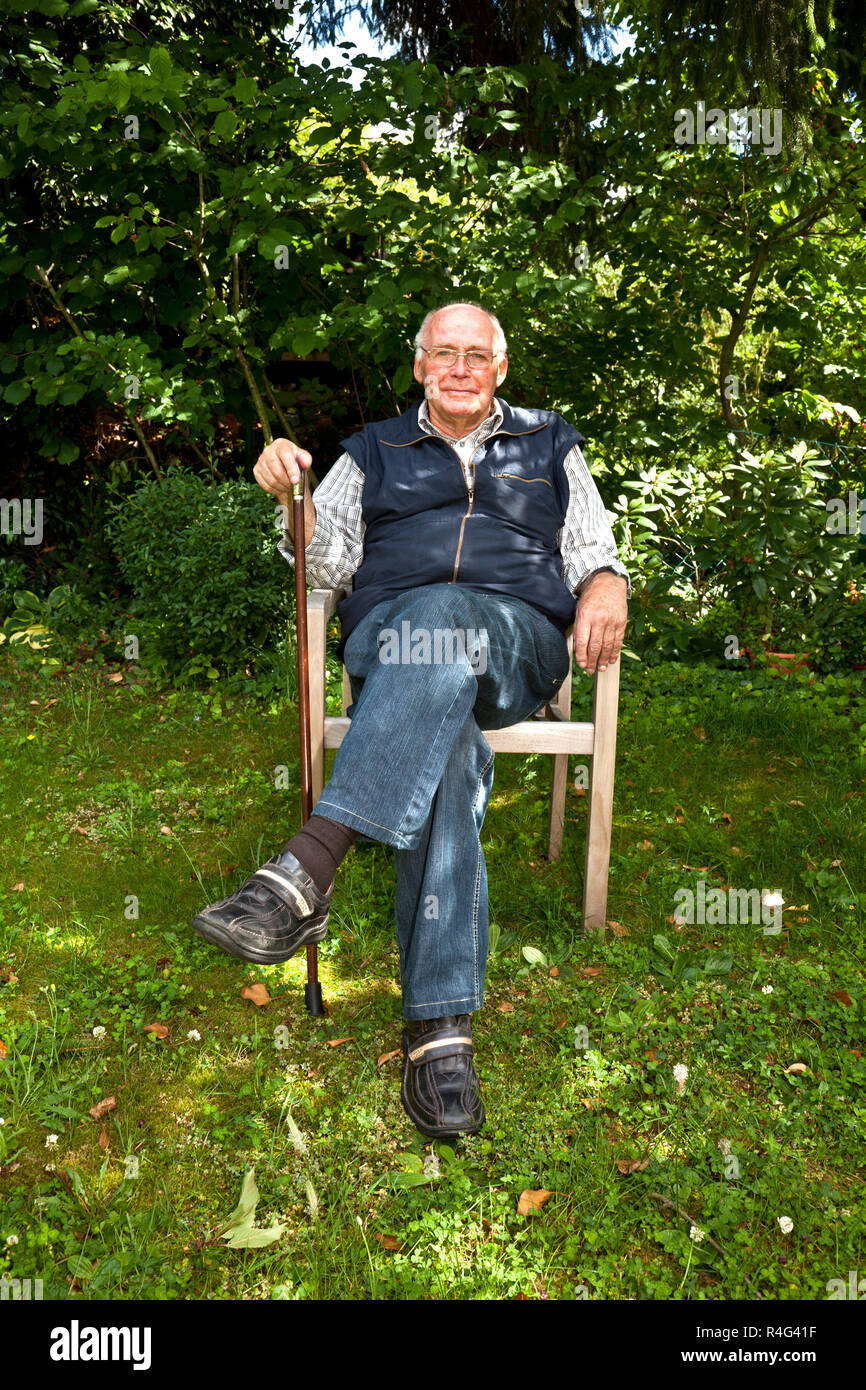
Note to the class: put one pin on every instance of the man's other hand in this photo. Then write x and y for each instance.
(279, 467)
(599, 625)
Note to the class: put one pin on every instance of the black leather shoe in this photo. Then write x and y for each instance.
(277, 911)
(441, 1092)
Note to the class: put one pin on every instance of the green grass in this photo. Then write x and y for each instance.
(709, 777)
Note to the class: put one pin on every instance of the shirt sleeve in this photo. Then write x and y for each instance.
(336, 547)
(586, 540)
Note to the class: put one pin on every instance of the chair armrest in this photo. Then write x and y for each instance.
(325, 600)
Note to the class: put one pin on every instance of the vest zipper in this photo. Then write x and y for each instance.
(471, 491)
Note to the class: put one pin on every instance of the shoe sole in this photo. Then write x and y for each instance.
(218, 935)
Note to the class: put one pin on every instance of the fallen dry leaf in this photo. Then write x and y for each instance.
(844, 997)
(389, 1242)
(116, 676)
(589, 971)
(651, 1054)
(699, 732)
(18, 888)
(796, 803)
(554, 972)
(4, 1051)
(726, 817)
(257, 993)
(103, 1138)
(81, 830)
(159, 1030)
(579, 791)
(388, 1056)
(102, 1107)
(7, 975)
(165, 830)
(631, 1165)
(335, 1042)
(646, 844)
(506, 1008)
(532, 1199)
(618, 929)
(796, 1067)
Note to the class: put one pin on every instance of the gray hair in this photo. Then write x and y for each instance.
(500, 345)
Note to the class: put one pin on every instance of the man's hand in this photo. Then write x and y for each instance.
(279, 466)
(599, 625)
(277, 469)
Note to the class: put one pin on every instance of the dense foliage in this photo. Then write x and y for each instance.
(207, 241)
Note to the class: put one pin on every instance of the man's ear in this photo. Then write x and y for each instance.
(416, 371)
(502, 370)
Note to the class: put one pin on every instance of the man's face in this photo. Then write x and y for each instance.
(459, 397)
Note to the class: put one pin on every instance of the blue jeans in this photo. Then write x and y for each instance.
(416, 772)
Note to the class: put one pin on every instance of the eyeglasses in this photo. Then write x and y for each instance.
(446, 357)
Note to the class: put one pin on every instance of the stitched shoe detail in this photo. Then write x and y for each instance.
(440, 1091)
(269, 918)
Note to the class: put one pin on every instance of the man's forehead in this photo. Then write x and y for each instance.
(465, 322)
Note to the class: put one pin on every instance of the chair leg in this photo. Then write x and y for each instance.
(557, 804)
(600, 817)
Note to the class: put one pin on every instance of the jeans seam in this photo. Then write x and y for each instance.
(432, 1003)
(481, 775)
(349, 812)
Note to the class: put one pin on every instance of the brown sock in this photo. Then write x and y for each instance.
(321, 846)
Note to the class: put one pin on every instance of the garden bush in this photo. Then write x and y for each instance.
(209, 589)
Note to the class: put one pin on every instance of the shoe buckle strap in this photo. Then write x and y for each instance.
(435, 1048)
(290, 893)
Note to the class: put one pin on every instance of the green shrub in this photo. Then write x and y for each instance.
(209, 588)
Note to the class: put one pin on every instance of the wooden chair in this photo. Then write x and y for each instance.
(551, 730)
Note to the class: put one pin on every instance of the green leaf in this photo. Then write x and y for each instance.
(760, 587)
(255, 1237)
(160, 64)
(225, 125)
(16, 392)
(718, 963)
(403, 378)
(306, 342)
(245, 1210)
(119, 89)
(534, 956)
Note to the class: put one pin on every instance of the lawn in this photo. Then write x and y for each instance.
(668, 1092)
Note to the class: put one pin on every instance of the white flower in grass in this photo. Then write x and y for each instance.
(296, 1136)
(786, 1225)
(51, 1140)
(431, 1164)
(12, 1240)
(774, 899)
(99, 1031)
(51, 1167)
(681, 1073)
(194, 1035)
(696, 1234)
(766, 989)
(724, 1146)
(312, 1199)
(2, 1121)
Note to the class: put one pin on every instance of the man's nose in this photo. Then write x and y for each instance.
(460, 368)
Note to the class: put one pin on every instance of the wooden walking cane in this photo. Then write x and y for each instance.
(312, 989)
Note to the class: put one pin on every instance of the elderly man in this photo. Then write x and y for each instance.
(463, 519)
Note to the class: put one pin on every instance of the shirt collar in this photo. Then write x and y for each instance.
(487, 426)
